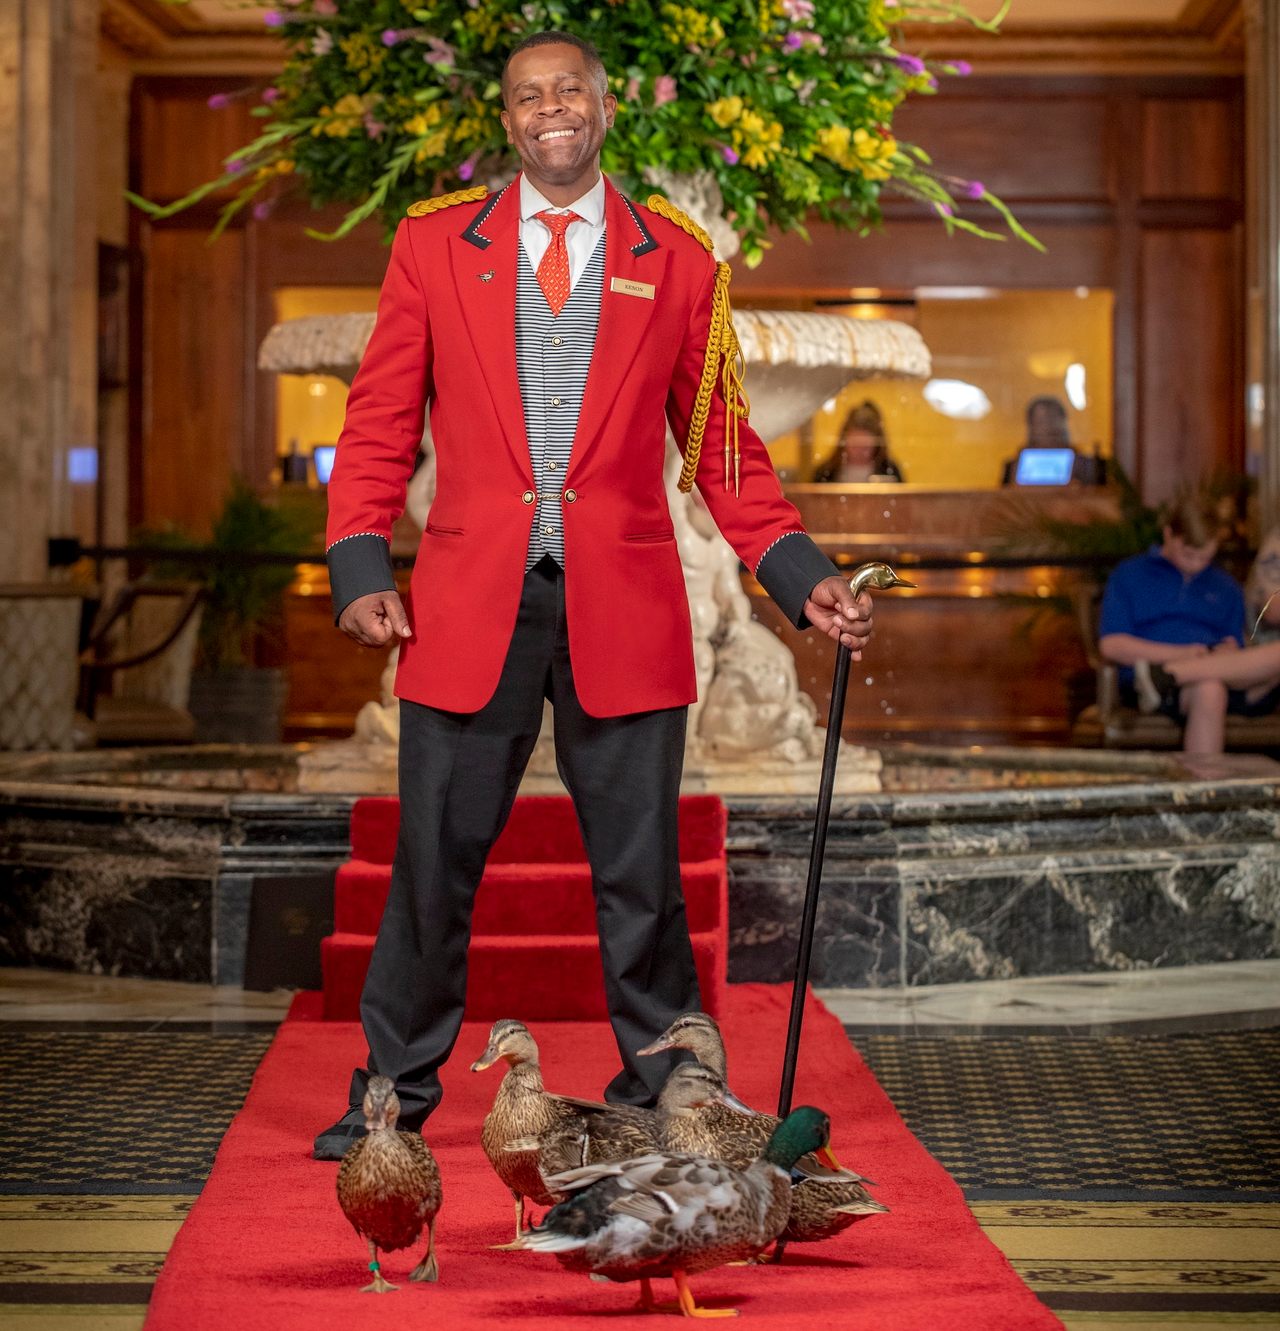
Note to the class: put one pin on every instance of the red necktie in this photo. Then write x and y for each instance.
(553, 271)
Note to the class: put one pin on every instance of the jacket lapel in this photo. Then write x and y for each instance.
(631, 255)
(483, 259)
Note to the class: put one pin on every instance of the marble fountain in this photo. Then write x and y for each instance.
(215, 863)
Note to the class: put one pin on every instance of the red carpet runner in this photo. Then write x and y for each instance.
(267, 1249)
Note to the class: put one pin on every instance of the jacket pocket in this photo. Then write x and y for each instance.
(435, 530)
(652, 537)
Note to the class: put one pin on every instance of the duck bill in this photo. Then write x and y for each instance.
(902, 582)
(738, 1106)
(659, 1046)
(828, 1158)
(486, 1060)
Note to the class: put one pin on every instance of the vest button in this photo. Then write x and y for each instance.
(555, 341)
(551, 531)
(555, 401)
(570, 496)
(528, 496)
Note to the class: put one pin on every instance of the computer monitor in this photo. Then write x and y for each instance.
(323, 456)
(1044, 466)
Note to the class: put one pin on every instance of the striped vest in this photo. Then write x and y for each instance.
(553, 357)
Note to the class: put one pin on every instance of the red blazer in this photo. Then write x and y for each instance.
(445, 339)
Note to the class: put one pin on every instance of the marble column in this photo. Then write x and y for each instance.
(48, 270)
(1263, 415)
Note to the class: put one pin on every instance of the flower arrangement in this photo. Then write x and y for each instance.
(787, 105)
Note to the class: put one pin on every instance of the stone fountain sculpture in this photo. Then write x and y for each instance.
(752, 730)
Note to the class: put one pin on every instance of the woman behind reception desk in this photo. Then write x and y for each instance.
(863, 451)
(1049, 457)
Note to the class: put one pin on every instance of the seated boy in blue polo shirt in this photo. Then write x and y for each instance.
(1174, 623)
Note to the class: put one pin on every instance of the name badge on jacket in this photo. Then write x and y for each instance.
(645, 290)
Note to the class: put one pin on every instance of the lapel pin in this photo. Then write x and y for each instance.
(486, 277)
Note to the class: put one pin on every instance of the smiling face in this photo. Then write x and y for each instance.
(556, 118)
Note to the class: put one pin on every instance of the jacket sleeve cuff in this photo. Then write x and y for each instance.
(358, 565)
(790, 569)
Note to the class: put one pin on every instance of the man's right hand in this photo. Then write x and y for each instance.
(374, 620)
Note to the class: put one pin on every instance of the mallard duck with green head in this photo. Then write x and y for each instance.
(827, 1199)
(675, 1215)
(389, 1187)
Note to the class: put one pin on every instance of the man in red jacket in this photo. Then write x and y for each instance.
(553, 329)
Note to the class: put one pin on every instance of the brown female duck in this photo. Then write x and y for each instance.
(389, 1186)
(522, 1109)
(826, 1198)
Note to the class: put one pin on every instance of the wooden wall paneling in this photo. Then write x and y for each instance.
(1192, 147)
(185, 141)
(1123, 125)
(913, 253)
(195, 406)
(1027, 147)
(1191, 371)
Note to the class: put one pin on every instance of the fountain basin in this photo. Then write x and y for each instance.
(207, 863)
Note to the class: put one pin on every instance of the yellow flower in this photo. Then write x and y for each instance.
(424, 121)
(689, 27)
(345, 115)
(833, 141)
(725, 111)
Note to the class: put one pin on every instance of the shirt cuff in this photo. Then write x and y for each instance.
(790, 569)
(358, 565)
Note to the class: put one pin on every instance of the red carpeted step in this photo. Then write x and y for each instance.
(541, 829)
(546, 977)
(527, 898)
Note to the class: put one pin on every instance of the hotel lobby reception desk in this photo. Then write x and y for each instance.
(973, 655)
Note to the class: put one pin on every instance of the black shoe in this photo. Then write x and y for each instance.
(333, 1143)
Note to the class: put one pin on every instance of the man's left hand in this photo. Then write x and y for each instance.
(833, 610)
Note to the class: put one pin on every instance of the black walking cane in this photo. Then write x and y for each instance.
(878, 576)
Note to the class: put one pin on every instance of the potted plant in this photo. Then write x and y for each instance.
(233, 698)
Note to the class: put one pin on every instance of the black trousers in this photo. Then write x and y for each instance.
(459, 772)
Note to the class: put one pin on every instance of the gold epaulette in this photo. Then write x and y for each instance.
(425, 206)
(723, 360)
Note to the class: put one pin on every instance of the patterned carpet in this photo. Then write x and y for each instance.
(98, 1112)
(1133, 1181)
(1183, 1117)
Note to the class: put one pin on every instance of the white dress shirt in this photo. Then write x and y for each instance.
(580, 239)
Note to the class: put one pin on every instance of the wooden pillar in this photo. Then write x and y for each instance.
(1263, 415)
(47, 272)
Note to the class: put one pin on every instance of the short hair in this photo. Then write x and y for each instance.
(595, 66)
(1194, 518)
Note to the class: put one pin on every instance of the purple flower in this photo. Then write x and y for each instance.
(262, 211)
(219, 101)
(728, 154)
(441, 53)
(945, 209)
(961, 67)
(373, 127)
(664, 90)
(273, 18)
(793, 41)
(467, 169)
(390, 37)
(975, 189)
(798, 10)
(235, 166)
(270, 95)
(911, 63)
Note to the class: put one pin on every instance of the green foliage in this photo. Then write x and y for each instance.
(787, 103)
(242, 598)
